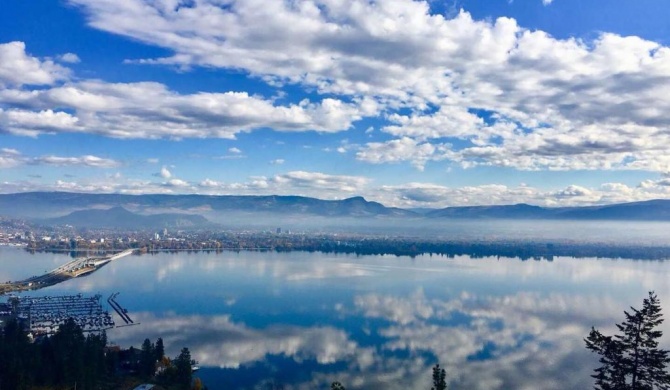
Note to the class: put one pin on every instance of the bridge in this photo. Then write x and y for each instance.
(75, 268)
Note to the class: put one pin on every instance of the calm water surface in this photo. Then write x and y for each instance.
(303, 320)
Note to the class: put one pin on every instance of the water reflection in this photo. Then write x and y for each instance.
(516, 341)
(304, 320)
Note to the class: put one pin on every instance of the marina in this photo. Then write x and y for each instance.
(43, 315)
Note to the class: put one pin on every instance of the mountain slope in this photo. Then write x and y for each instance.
(120, 218)
(52, 204)
(652, 210)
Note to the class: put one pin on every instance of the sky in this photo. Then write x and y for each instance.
(409, 103)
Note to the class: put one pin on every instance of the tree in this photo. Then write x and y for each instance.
(632, 360)
(183, 368)
(439, 378)
(147, 359)
(337, 386)
(160, 349)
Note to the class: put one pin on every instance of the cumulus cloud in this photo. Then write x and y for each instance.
(90, 161)
(19, 68)
(70, 58)
(31, 123)
(403, 149)
(11, 158)
(234, 150)
(516, 97)
(151, 110)
(321, 181)
(165, 173)
(434, 195)
(278, 161)
(315, 184)
(305, 183)
(177, 183)
(10, 151)
(327, 186)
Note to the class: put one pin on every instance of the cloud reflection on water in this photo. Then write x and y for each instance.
(379, 322)
(220, 342)
(523, 340)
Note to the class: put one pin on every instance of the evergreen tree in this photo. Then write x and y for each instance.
(160, 349)
(610, 375)
(439, 378)
(147, 359)
(337, 386)
(632, 360)
(183, 369)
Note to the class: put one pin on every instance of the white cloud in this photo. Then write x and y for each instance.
(547, 2)
(18, 68)
(278, 161)
(434, 195)
(89, 161)
(165, 173)
(177, 183)
(32, 123)
(9, 151)
(153, 160)
(326, 186)
(7, 161)
(314, 184)
(70, 58)
(522, 98)
(210, 183)
(403, 149)
(151, 110)
(234, 150)
(320, 181)
(10, 158)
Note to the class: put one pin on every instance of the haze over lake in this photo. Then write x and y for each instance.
(303, 320)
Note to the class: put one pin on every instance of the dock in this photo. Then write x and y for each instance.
(123, 313)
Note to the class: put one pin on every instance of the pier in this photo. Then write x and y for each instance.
(123, 313)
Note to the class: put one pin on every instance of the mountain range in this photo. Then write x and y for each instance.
(197, 210)
(118, 217)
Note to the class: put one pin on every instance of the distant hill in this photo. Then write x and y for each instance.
(652, 210)
(52, 204)
(120, 218)
(517, 211)
(164, 209)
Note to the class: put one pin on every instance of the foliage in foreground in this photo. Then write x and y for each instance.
(439, 380)
(68, 359)
(631, 360)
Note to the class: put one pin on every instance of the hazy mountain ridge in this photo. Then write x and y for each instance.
(651, 210)
(52, 205)
(56, 204)
(118, 217)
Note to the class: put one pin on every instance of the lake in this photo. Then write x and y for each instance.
(302, 320)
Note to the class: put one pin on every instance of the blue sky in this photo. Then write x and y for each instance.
(414, 104)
